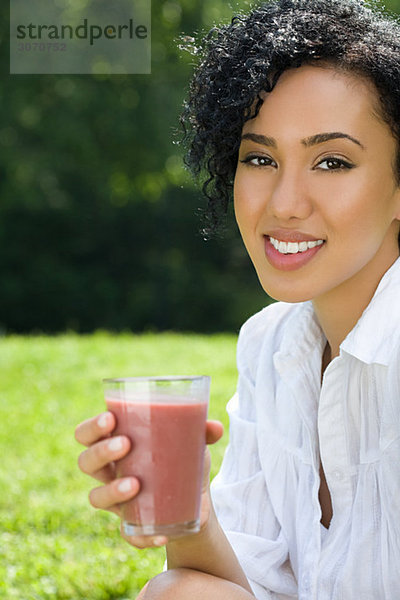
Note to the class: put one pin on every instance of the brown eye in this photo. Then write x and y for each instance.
(258, 161)
(335, 164)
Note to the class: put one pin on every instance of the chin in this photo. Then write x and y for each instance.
(290, 295)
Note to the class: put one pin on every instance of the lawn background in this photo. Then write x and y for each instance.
(53, 544)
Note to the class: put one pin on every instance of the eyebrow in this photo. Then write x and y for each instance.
(313, 140)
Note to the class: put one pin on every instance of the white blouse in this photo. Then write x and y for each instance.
(282, 420)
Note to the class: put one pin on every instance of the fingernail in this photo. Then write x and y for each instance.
(125, 485)
(102, 421)
(115, 444)
(159, 541)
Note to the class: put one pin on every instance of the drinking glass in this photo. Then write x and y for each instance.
(165, 419)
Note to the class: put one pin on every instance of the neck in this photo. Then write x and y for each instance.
(339, 310)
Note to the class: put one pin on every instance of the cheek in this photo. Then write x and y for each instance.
(249, 199)
(357, 209)
(241, 202)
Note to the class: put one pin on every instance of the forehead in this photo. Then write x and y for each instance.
(320, 98)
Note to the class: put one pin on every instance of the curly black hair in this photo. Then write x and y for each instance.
(238, 60)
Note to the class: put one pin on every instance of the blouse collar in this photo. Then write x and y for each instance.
(375, 336)
(372, 340)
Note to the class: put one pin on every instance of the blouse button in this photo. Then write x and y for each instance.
(306, 581)
(337, 474)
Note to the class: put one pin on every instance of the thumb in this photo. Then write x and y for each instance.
(214, 431)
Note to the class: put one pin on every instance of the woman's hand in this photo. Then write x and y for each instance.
(214, 432)
(98, 461)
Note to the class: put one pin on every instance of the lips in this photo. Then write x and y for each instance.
(291, 254)
(286, 235)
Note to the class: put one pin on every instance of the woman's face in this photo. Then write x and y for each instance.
(315, 196)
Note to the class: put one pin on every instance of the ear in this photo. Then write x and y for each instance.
(396, 214)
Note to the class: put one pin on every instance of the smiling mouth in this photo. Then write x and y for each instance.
(293, 247)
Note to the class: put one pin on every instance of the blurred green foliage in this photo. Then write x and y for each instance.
(99, 222)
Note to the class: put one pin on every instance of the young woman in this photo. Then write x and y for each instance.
(295, 108)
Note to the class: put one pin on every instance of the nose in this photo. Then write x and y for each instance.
(290, 198)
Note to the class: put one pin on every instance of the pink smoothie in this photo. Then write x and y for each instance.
(168, 441)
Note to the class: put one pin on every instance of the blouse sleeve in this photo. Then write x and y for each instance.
(242, 503)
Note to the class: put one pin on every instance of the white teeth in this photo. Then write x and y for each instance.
(282, 247)
(293, 247)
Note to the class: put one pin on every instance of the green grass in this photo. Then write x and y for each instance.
(53, 544)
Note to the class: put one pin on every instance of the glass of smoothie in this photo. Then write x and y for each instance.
(165, 419)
